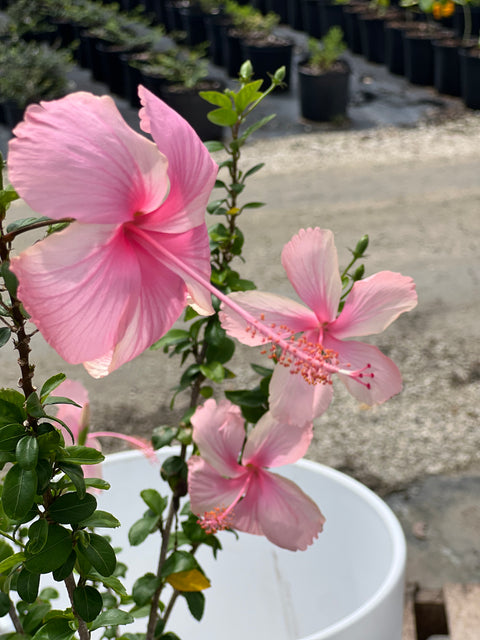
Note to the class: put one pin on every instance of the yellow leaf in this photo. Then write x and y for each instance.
(233, 211)
(192, 580)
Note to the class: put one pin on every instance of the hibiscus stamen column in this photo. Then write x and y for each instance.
(311, 361)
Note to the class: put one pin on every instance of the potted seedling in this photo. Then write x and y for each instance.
(259, 42)
(324, 78)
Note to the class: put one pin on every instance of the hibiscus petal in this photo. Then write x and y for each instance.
(96, 296)
(311, 262)
(294, 400)
(76, 157)
(273, 443)
(191, 170)
(271, 310)
(208, 489)
(373, 304)
(218, 432)
(279, 509)
(387, 380)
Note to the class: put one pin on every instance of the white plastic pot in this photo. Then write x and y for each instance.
(347, 586)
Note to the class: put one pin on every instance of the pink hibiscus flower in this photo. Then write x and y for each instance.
(77, 420)
(104, 289)
(311, 262)
(243, 495)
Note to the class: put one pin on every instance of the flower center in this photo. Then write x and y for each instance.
(221, 518)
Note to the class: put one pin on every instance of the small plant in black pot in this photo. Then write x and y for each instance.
(324, 78)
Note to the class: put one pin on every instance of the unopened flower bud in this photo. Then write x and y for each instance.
(279, 75)
(361, 247)
(246, 71)
(359, 273)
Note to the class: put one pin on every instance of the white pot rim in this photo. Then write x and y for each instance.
(399, 547)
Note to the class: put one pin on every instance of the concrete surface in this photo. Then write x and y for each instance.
(405, 170)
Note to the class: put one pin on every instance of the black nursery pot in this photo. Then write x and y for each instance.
(295, 14)
(352, 27)
(312, 17)
(215, 25)
(446, 72)
(418, 51)
(266, 59)
(324, 97)
(113, 69)
(232, 52)
(193, 23)
(280, 7)
(332, 16)
(394, 48)
(470, 77)
(372, 37)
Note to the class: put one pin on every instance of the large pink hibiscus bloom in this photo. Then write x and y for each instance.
(311, 262)
(245, 495)
(104, 289)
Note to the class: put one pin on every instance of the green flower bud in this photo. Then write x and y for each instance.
(361, 247)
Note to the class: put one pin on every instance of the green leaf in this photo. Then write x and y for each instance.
(221, 352)
(87, 602)
(142, 528)
(51, 384)
(253, 170)
(111, 618)
(55, 629)
(179, 561)
(7, 196)
(80, 455)
(154, 500)
(246, 398)
(110, 582)
(254, 127)
(70, 509)
(213, 371)
(27, 585)
(163, 436)
(10, 435)
(5, 550)
(26, 452)
(34, 406)
(223, 117)
(5, 604)
(66, 568)
(37, 535)
(4, 335)
(61, 400)
(9, 278)
(216, 98)
(247, 94)
(100, 554)
(253, 205)
(35, 617)
(44, 473)
(100, 519)
(49, 441)
(144, 588)
(170, 339)
(11, 561)
(75, 473)
(11, 407)
(214, 145)
(19, 490)
(196, 603)
(53, 554)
